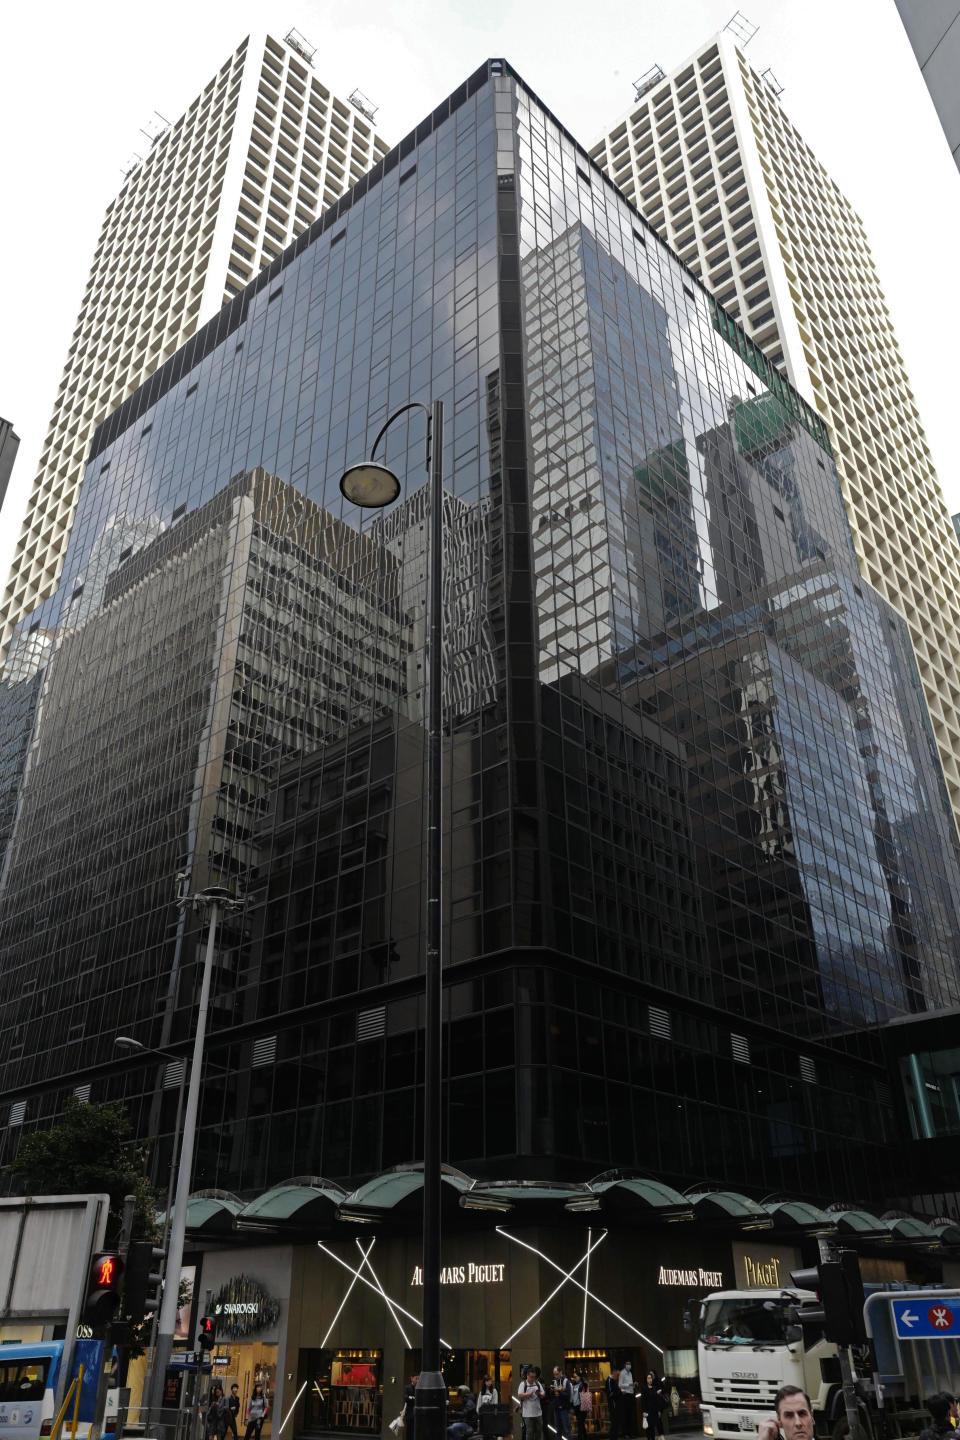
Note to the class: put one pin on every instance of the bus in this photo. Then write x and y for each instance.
(29, 1375)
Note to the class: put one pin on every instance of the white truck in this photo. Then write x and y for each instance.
(749, 1343)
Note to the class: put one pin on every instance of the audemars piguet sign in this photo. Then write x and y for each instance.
(692, 1278)
(469, 1274)
(243, 1308)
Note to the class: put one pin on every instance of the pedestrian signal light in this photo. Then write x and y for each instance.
(103, 1288)
(143, 1285)
(207, 1332)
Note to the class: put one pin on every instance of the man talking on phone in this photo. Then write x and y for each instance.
(794, 1417)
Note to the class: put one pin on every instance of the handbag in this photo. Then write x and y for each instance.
(586, 1400)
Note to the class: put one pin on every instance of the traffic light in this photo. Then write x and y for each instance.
(103, 1288)
(839, 1286)
(206, 1332)
(144, 1279)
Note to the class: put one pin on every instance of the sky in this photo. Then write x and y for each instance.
(77, 90)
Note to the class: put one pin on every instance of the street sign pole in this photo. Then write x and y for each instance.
(915, 1302)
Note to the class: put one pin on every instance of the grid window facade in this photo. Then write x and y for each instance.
(689, 789)
(711, 159)
(256, 157)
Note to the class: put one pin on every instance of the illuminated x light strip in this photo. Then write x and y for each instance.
(586, 1292)
(570, 1275)
(293, 1406)
(356, 1277)
(366, 1261)
(567, 1275)
(370, 1286)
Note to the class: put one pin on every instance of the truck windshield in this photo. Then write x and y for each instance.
(743, 1322)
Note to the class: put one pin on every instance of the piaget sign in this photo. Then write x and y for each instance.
(243, 1308)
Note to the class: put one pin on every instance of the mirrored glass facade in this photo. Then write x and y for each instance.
(696, 836)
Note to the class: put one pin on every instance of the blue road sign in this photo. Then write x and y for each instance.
(918, 1319)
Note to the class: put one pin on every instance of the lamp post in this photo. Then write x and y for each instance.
(371, 485)
(127, 1042)
(215, 900)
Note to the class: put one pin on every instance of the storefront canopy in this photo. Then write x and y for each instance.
(798, 1215)
(861, 1225)
(313, 1204)
(635, 1196)
(303, 1200)
(726, 1206)
(212, 1212)
(388, 1192)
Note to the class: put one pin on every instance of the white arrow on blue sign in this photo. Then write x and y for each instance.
(918, 1320)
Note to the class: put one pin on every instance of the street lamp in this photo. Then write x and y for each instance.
(127, 1042)
(373, 486)
(215, 899)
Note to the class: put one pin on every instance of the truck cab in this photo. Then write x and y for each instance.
(749, 1343)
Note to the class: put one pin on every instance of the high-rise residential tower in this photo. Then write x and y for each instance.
(709, 157)
(256, 156)
(9, 444)
(934, 30)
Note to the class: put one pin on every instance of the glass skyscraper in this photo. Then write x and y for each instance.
(696, 836)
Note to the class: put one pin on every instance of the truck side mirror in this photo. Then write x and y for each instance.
(689, 1316)
(793, 1333)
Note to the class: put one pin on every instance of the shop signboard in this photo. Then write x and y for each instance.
(243, 1308)
(761, 1266)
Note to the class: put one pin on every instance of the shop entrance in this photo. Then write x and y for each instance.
(676, 1373)
(344, 1390)
(245, 1365)
(467, 1367)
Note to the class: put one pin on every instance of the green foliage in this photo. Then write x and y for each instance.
(90, 1151)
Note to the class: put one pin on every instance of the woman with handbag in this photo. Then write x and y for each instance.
(582, 1404)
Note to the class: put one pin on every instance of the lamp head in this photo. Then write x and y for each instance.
(369, 485)
(127, 1042)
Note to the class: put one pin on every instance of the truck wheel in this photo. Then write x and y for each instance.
(841, 1426)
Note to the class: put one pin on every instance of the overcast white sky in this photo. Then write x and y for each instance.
(80, 81)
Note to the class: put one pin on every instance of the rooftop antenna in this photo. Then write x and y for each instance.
(648, 79)
(297, 42)
(360, 102)
(741, 28)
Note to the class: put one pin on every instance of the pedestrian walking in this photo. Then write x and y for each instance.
(216, 1414)
(562, 1393)
(628, 1403)
(258, 1408)
(582, 1405)
(531, 1395)
(612, 1389)
(233, 1410)
(653, 1402)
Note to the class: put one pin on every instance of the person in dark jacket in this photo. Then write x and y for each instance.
(216, 1414)
(943, 1409)
(233, 1410)
(465, 1422)
(613, 1402)
(410, 1407)
(653, 1402)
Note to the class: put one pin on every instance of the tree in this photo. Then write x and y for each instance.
(90, 1151)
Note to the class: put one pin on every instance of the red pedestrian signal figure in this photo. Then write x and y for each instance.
(103, 1288)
